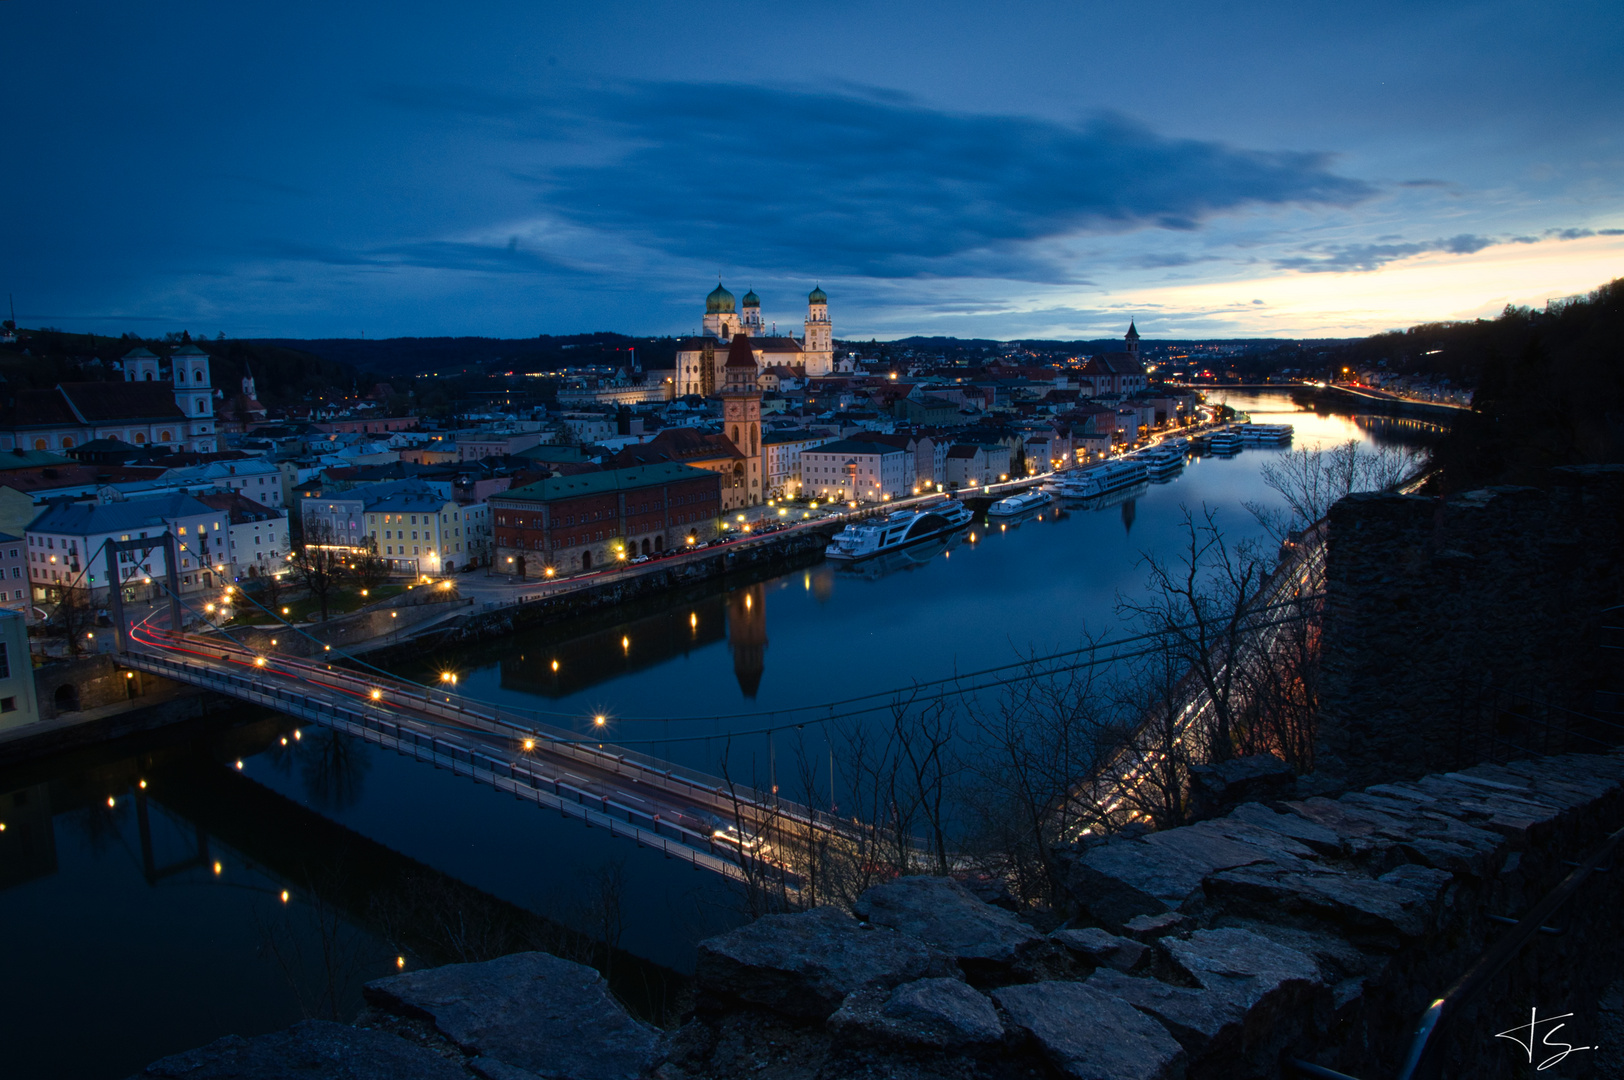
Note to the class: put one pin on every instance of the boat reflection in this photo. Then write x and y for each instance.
(1110, 500)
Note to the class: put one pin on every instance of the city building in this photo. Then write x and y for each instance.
(411, 524)
(975, 465)
(257, 536)
(781, 458)
(19, 703)
(856, 469)
(700, 360)
(65, 546)
(143, 410)
(587, 521)
(14, 574)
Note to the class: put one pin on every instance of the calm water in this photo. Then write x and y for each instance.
(156, 923)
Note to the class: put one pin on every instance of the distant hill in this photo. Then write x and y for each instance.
(283, 373)
(485, 355)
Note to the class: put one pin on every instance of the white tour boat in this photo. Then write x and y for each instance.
(1224, 442)
(1162, 461)
(1264, 434)
(1020, 503)
(1103, 479)
(863, 539)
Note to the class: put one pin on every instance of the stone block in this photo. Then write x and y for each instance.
(526, 1011)
(1100, 949)
(1089, 1035)
(1340, 898)
(1217, 787)
(314, 1049)
(1198, 1019)
(1315, 837)
(1163, 872)
(986, 941)
(804, 965)
(1151, 927)
(940, 1014)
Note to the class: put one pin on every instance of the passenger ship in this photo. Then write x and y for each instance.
(1020, 503)
(1264, 434)
(1162, 461)
(1102, 479)
(863, 539)
(1224, 442)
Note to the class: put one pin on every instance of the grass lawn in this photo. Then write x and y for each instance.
(339, 602)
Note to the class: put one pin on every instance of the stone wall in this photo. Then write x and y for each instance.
(1310, 928)
(1432, 606)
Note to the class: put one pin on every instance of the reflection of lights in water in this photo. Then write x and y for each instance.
(218, 869)
(109, 801)
(284, 896)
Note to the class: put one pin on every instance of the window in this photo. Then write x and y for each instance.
(8, 704)
(5, 661)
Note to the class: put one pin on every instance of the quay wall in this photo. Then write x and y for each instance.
(779, 553)
(1437, 609)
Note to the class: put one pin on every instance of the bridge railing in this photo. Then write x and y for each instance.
(648, 829)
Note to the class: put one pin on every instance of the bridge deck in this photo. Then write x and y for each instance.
(681, 813)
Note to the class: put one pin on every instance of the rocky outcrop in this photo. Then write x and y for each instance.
(941, 1014)
(804, 965)
(1217, 788)
(990, 944)
(525, 1015)
(1092, 1036)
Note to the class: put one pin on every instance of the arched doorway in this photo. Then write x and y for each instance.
(67, 698)
(648, 547)
(586, 560)
(659, 543)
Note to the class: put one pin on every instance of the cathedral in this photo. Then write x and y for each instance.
(701, 361)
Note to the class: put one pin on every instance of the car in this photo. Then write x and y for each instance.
(640, 559)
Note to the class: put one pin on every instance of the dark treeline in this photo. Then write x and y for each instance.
(487, 355)
(1548, 386)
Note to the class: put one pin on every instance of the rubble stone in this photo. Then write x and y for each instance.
(529, 1011)
(1089, 1035)
(805, 964)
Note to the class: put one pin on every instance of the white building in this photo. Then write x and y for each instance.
(140, 411)
(700, 359)
(65, 545)
(781, 452)
(854, 469)
(257, 536)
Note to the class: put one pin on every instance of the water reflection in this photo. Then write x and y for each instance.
(559, 669)
(909, 558)
(28, 845)
(1128, 515)
(747, 636)
(333, 767)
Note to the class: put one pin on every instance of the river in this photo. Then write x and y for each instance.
(218, 898)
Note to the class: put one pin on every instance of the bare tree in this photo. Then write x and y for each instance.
(1202, 608)
(1309, 481)
(1037, 745)
(370, 569)
(321, 562)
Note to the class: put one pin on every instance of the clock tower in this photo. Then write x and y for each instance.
(741, 418)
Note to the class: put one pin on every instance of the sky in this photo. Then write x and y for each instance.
(979, 170)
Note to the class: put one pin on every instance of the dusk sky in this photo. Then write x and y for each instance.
(993, 170)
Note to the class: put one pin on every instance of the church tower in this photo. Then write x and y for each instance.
(817, 351)
(194, 395)
(140, 365)
(752, 314)
(1132, 338)
(741, 417)
(721, 320)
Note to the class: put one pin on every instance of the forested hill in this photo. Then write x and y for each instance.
(1549, 385)
(283, 373)
(481, 355)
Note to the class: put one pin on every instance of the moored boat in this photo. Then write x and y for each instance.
(1019, 503)
(1224, 442)
(1264, 434)
(863, 539)
(1103, 479)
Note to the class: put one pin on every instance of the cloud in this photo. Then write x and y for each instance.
(1345, 257)
(1341, 258)
(880, 185)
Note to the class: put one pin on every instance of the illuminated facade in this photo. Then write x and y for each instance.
(700, 360)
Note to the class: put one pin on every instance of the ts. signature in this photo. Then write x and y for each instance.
(1526, 1035)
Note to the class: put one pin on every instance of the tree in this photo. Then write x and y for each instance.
(1309, 481)
(370, 569)
(321, 562)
